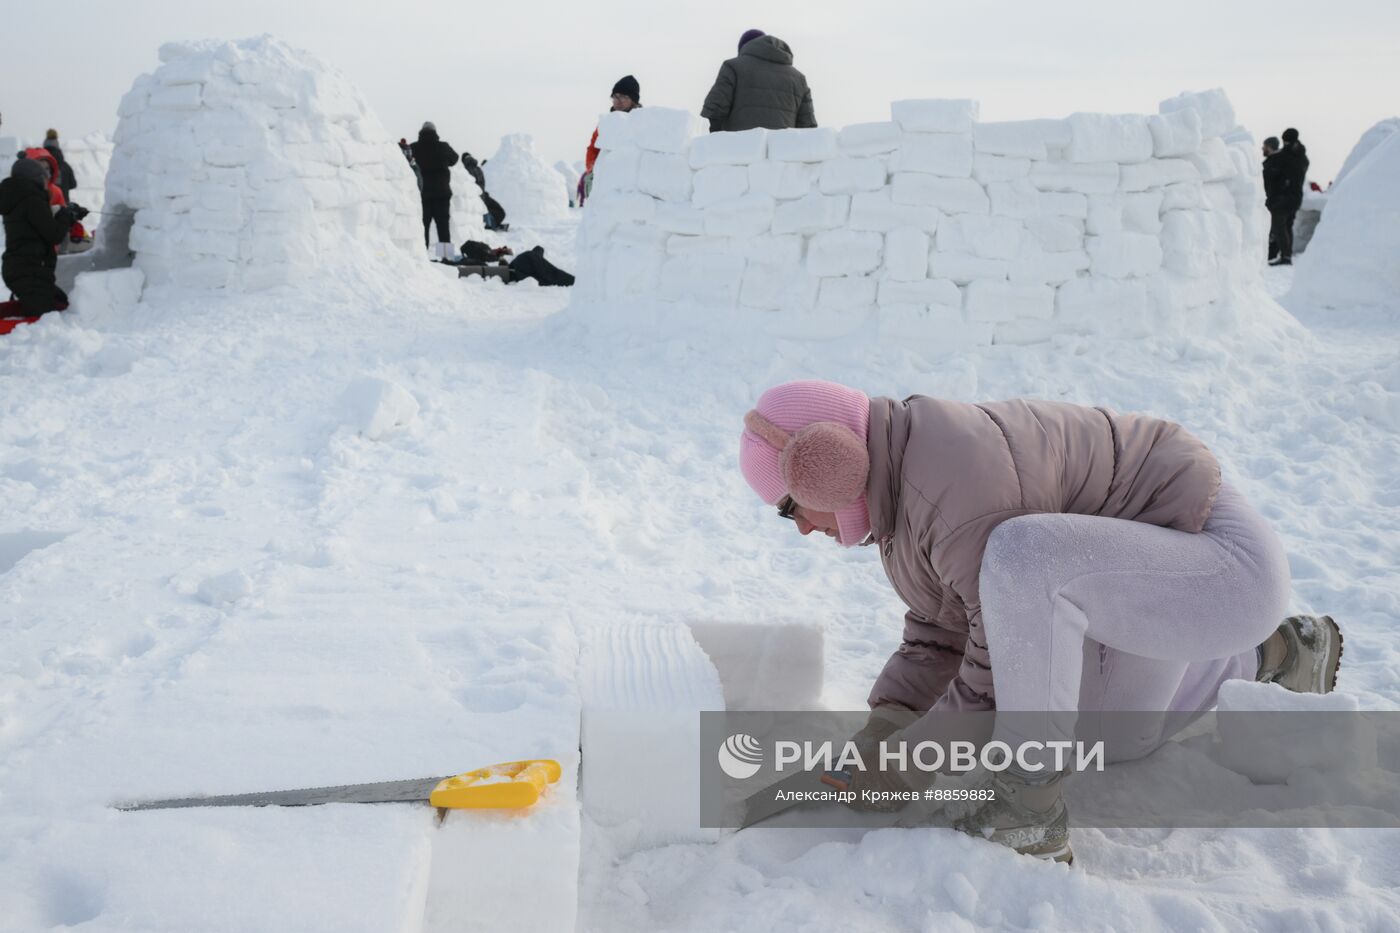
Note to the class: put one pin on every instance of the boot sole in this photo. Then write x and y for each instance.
(1331, 660)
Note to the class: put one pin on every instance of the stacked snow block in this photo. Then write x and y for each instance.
(934, 225)
(249, 164)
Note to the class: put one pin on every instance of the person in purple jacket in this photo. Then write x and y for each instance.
(1016, 532)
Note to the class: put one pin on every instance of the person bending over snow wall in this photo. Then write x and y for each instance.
(33, 230)
(435, 158)
(1015, 531)
(759, 88)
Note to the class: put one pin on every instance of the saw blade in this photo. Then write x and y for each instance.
(768, 802)
(414, 791)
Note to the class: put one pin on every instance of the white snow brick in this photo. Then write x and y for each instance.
(678, 245)
(936, 292)
(662, 129)
(1183, 195)
(1055, 234)
(811, 214)
(617, 171)
(707, 278)
(608, 212)
(188, 71)
(1216, 112)
(963, 268)
(946, 154)
(869, 138)
(1027, 139)
(769, 250)
(980, 235)
(1017, 198)
(616, 131)
(1212, 161)
(1024, 332)
(1002, 301)
(740, 148)
(748, 215)
(1104, 137)
(816, 144)
(1175, 134)
(844, 252)
(1035, 266)
(679, 218)
(1124, 255)
(783, 180)
(718, 183)
(1157, 174)
(950, 195)
(846, 293)
(1083, 177)
(1091, 299)
(874, 210)
(849, 175)
(179, 97)
(934, 116)
(1142, 211)
(665, 175)
(765, 286)
(1064, 204)
(1105, 217)
(631, 272)
(939, 326)
(906, 255)
(991, 168)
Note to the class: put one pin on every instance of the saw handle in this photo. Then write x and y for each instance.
(841, 780)
(512, 785)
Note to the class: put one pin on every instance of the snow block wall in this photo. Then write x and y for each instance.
(249, 164)
(933, 224)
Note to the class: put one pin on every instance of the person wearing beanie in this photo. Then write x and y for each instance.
(1290, 179)
(434, 159)
(66, 179)
(626, 97)
(33, 231)
(759, 87)
(1018, 533)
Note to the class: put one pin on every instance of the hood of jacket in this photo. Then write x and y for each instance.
(768, 48)
(428, 136)
(15, 191)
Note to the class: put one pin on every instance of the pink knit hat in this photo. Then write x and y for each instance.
(827, 464)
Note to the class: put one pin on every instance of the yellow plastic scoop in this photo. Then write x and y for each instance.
(512, 785)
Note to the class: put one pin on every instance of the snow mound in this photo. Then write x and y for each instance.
(527, 187)
(1351, 259)
(1369, 140)
(250, 164)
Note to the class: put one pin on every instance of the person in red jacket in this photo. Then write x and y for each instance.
(626, 97)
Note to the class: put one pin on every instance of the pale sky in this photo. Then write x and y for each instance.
(481, 70)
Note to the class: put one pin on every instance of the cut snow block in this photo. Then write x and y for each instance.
(718, 183)
(964, 268)
(1104, 137)
(949, 195)
(100, 293)
(615, 131)
(1105, 217)
(874, 210)
(641, 236)
(869, 138)
(811, 214)
(609, 210)
(1261, 734)
(768, 249)
(906, 255)
(1026, 139)
(934, 116)
(946, 154)
(179, 97)
(849, 175)
(1024, 332)
(678, 245)
(1064, 204)
(1083, 177)
(783, 180)
(765, 287)
(1124, 255)
(940, 329)
(846, 293)
(980, 235)
(1212, 161)
(1090, 299)
(705, 278)
(1056, 234)
(1142, 211)
(1216, 112)
(991, 168)
(765, 667)
(617, 170)
(1186, 195)
(748, 215)
(642, 688)
(374, 406)
(663, 129)
(932, 292)
(1002, 301)
(1177, 133)
(1018, 198)
(816, 144)
(679, 218)
(665, 175)
(1158, 173)
(1035, 266)
(844, 252)
(740, 148)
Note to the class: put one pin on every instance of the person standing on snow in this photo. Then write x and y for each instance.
(1016, 532)
(759, 88)
(67, 180)
(1291, 177)
(626, 97)
(1272, 171)
(435, 159)
(33, 230)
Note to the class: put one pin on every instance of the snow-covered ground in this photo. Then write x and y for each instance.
(211, 582)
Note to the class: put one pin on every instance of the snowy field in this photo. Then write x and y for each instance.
(212, 581)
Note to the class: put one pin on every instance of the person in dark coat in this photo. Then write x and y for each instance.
(1273, 189)
(435, 159)
(67, 180)
(759, 88)
(32, 232)
(481, 259)
(1289, 171)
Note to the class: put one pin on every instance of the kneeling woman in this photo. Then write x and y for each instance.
(1018, 531)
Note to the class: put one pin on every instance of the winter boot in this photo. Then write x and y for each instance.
(1021, 813)
(1303, 655)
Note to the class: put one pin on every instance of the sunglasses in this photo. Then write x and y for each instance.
(787, 508)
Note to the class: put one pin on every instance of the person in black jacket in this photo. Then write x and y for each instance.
(435, 158)
(1273, 190)
(32, 231)
(67, 180)
(1288, 169)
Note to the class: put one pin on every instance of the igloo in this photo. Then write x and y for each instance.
(247, 164)
(524, 183)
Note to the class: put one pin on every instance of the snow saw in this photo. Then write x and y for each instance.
(512, 785)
